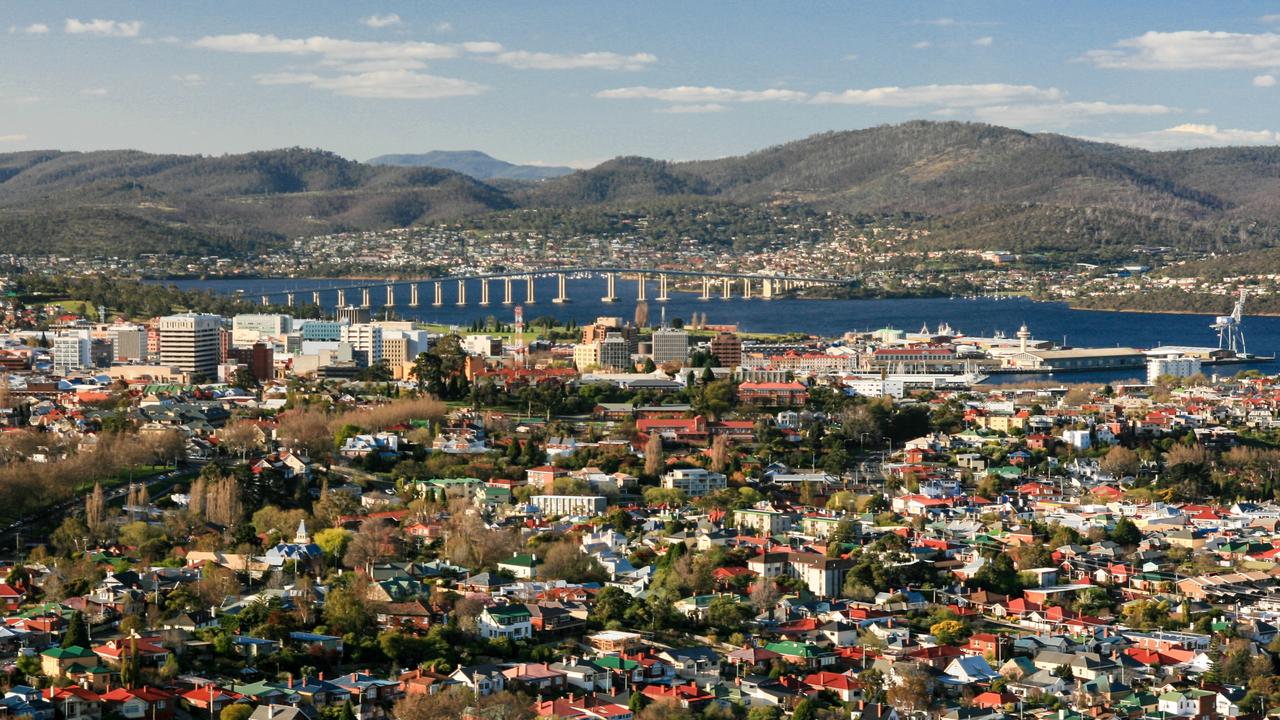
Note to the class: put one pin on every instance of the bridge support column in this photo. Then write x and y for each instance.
(562, 294)
(391, 296)
(706, 288)
(528, 290)
(766, 289)
(288, 299)
(413, 295)
(364, 298)
(726, 288)
(462, 292)
(640, 280)
(342, 298)
(506, 291)
(266, 300)
(746, 288)
(315, 298)
(484, 291)
(439, 299)
(611, 291)
(662, 288)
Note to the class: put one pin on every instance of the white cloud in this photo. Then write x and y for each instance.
(381, 21)
(15, 137)
(693, 109)
(190, 79)
(334, 48)
(104, 28)
(482, 47)
(94, 92)
(984, 41)
(1269, 19)
(1191, 50)
(1264, 81)
(948, 95)
(36, 29)
(1062, 113)
(1192, 135)
(526, 60)
(951, 22)
(444, 26)
(921, 45)
(705, 94)
(384, 84)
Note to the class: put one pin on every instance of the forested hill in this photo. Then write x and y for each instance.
(126, 202)
(974, 184)
(481, 166)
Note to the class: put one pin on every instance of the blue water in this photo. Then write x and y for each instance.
(981, 316)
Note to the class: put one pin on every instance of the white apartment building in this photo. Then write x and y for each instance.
(694, 482)
(570, 504)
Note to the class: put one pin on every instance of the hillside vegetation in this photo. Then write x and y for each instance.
(973, 185)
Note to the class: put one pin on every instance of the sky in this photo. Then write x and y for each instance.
(576, 83)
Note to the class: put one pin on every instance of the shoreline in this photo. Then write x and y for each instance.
(1158, 312)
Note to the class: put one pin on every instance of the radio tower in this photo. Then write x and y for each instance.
(522, 356)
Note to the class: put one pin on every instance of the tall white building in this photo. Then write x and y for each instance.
(365, 338)
(1175, 366)
(72, 351)
(191, 343)
(670, 345)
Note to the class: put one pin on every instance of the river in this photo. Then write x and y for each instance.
(980, 316)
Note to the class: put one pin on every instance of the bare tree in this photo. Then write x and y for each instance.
(95, 509)
(653, 459)
(720, 453)
(241, 438)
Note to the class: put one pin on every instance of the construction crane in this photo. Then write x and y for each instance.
(1230, 332)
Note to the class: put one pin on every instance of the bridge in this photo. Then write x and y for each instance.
(713, 285)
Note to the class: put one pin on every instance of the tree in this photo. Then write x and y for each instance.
(564, 561)
(373, 543)
(726, 614)
(333, 541)
(130, 666)
(241, 438)
(948, 632)
(611, 604)
(998, 575)
(1126, 533)
(764, 595)
(720, 453)
(1120, 462)
(236, 711)
(913, 691)
(77, 632)
(653, 460)
(347, 611)
(95, 509)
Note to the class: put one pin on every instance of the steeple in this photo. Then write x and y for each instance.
(302, 538)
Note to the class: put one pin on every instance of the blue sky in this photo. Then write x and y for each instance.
(579, 82)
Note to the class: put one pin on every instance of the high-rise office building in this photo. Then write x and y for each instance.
(670, 346)
(72, 351)
(366, 339)
(191, 343)
(615, 352)
(727, 349)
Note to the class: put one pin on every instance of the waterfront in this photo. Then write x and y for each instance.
(979, 316)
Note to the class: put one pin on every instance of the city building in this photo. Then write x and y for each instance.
(322, 330)
(263, 324)
(670, 345)
(1179, 366)
(773, 393)
(128, 342)
(694, 482)
(354, 315)
(586, 355)
(726, 348)
(615, 352)
(366, 340)
(190, 342)
(72, 351)
(486, 345)
(600, 329)
(260, 359)
(569, 504)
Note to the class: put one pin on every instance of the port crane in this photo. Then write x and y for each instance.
(1230, 332)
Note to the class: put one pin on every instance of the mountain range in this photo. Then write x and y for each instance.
(969, 184)
(478, 165)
